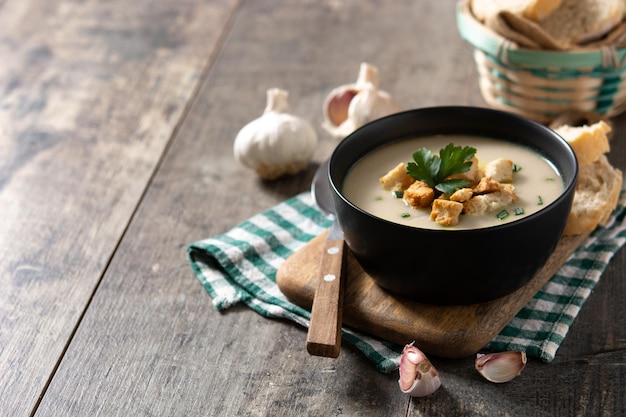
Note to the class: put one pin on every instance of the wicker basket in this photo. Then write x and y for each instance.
(541, 85)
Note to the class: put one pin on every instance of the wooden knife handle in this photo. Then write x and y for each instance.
(324, 335)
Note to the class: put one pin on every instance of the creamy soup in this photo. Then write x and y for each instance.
(537, 182)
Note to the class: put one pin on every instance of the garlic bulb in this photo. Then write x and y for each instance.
(277, 143)
(418, 377)
(350, 106)
(500, 367)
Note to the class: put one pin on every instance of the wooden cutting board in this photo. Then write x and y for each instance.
(445, 331)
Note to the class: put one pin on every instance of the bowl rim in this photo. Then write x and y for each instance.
(567, 187)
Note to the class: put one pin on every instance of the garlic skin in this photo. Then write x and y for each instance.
(501, 366)
(418, 377)
(277, 143)
(350, 106)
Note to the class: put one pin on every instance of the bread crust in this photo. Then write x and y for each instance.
(599, 183)
(532, 9)
(552, 24)
(577, 22)
(597, 194)
(588, 142)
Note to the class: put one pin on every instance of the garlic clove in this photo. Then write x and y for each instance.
(350, 106)
(277, 143)
(337, 105)
(370, 104)
(418, 377)
(501, 366)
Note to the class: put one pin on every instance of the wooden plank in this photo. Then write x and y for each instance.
(90, 93)
(151, 343)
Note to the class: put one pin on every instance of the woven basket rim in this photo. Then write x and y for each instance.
(485, 39)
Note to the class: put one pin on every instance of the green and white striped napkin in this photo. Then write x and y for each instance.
(240, 266)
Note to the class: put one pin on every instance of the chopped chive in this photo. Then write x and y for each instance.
(378, 198)
(398, 193)
(516, 168)
(405, 215)
(502, 215)
(518, 211)
(549, 179)
(539, 200)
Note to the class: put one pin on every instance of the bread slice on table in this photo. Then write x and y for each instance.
(597, 193)
(588, 141)
(599, 183)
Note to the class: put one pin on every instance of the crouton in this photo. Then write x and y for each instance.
(446, 212)
(486, 185)
(485, 203)
(473, 175)
(500, 169)
(397, 179)
(419, 195)
(462, 194)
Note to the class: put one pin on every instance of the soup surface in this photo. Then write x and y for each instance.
(537, 182)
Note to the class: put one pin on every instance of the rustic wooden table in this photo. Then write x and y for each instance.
(117, 121)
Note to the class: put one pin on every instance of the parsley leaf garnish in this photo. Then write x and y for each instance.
(434, 170)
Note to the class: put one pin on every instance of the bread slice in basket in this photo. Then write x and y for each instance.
(532, 9)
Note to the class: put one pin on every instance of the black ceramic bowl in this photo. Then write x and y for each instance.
(502, 258)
